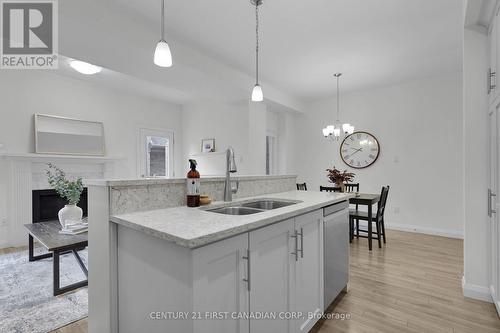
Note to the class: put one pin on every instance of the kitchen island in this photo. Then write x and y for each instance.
(181, 269)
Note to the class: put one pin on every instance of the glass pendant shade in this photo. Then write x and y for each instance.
(345, 127)
(330, 129)
(325, 132)
(162, 57)
(257, 95)
(336, 132)
(350, 130)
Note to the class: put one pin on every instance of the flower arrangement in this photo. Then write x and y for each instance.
(337, 177)
(67, 189)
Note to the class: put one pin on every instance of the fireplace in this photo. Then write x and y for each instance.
(47, 203)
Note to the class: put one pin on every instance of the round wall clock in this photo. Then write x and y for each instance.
(359, 150)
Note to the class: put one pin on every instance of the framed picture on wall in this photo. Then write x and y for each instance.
(60, 135)
(208, 145)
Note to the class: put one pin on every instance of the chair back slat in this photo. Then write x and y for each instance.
(329, 189)
(352, 187)
(383, 201)
(301, 187)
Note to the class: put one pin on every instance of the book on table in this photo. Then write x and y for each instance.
(74, 228)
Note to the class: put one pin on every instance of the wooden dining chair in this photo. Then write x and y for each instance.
(329, 189)
(301, 187)
(378, 219)
(352, 187)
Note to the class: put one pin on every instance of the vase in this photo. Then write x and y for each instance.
(69, 213)
(340, 185)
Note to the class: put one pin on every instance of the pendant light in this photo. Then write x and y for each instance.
(333, 131)
(257, 95)
(162, 57)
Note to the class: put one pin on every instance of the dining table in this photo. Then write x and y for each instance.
(367, 199)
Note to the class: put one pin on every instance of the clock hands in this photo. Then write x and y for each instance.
(356, 150)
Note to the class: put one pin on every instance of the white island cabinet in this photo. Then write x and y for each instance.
(309, 269)
(286, 264)
(219, 286)
(266, 280)
(271, 276)
(192, 270)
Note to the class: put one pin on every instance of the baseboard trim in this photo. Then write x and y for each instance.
(493, 296)
(4, 245)
(425, 230)
(475, 291)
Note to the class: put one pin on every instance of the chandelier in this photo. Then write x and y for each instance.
(334, 132)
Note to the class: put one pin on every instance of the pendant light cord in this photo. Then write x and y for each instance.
(163, 20)
(338, 99)
(257, 41)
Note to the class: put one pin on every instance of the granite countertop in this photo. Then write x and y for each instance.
(165, 181)
(195, 227)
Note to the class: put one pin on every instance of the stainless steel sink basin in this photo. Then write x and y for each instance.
(235, 210)
(268, 204)
(252, 207)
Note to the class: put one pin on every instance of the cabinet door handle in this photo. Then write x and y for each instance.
(247, 258)
(301, 233)
(491, 211)
(491, 80)
(296, 253)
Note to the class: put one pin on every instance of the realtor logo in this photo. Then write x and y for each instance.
(29, 34)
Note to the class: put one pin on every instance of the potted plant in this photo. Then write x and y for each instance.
(339, 178)
(68, 190)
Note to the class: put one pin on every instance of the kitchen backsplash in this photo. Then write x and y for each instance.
(128, 197)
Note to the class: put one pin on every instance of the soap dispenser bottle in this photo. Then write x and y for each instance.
(193, 185)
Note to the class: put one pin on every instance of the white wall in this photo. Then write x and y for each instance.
(257, 131)
(243, 126)
(419, 127)
(476, 168)
(24, 93)
(226, 123)
(4, 227)
(282, 125)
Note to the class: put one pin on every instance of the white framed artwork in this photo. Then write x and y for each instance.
(67, 136)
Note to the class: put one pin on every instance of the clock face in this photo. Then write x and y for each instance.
(359, 150)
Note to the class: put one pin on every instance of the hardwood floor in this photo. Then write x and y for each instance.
(412, 285)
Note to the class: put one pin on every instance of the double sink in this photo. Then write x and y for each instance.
(252, 207)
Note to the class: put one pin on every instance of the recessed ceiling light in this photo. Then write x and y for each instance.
(84, 67)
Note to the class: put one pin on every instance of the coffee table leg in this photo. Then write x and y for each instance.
(80, 262)
(55, 272)
(58, 290)
(31, 251)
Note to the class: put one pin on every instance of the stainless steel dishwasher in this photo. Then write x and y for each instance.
(336, 254)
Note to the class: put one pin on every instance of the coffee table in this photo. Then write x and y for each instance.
(47, 233)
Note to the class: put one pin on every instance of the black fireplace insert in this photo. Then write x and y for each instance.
(47, 203)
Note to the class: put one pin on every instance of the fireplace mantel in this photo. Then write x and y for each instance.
(67, 158)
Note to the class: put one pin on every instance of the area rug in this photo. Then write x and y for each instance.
(26, 300)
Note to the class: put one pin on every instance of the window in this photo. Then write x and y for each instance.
(155, 153)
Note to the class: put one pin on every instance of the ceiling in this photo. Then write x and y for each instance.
(373, 42)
